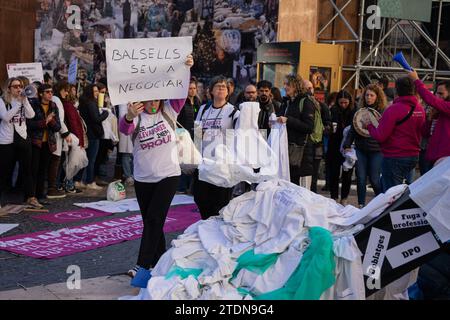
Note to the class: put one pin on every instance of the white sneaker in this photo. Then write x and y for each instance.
(93, 186)
(79, 185)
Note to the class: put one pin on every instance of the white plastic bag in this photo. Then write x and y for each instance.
(76, 159)
(188, 155)
(116, 191)
(278, 141)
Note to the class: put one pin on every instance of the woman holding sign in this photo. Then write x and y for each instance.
(156, 174)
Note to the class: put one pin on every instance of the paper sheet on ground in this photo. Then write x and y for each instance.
(129, 204)
(5, 227)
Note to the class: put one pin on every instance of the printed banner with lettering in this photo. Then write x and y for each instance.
(395, 243)
(147, 69)
(67, 241)
(33, 71)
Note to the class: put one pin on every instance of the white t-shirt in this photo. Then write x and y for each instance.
(14, 119)
(155, 149)
(214, 122)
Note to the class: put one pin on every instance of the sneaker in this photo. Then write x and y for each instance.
(79, 185)
(55, 194)
(60, 188)
(141, 278)
(360, 206)
(344, 202)
(34, 203)
(93, 186)
(73, 190)
(132, 272)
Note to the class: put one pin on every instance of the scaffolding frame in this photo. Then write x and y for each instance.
(379, 56)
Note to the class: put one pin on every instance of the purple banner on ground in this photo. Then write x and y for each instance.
(71, 216)
(67, 241)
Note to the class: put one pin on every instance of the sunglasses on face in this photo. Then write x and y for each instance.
(48, 91)
(16, 86)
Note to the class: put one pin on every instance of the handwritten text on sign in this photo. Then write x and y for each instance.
(147, 69)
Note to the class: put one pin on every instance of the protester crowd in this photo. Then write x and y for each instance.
(40, 129)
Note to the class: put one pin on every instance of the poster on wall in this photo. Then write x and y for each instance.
(321, 80)
(225, 33)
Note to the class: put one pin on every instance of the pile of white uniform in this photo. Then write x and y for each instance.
(275, 218)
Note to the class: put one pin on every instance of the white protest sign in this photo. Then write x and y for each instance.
(147, 69)
(375, 252)
(33, 71)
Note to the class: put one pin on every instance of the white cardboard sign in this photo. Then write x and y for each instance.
(147, 69)
(375, 252)
(33, 71)
(411, 250)
(409, 218)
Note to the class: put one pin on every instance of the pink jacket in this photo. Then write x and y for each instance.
(403, 140)
(128, 128)
(439, 141)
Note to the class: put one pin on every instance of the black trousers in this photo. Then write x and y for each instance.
(39, 166)
(315, 175)
(210, 198)
(154, 201)
(19, 150)
(335, 165)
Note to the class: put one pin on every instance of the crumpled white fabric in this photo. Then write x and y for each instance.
(273, 219)
(372, 210)
(349, 156)
(278, 141)
(432, 193)
(110, 129)
(245, 157)
(76, 158)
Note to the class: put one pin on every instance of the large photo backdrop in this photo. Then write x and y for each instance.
(225, 33)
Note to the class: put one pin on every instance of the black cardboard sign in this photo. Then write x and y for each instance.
(395, 243)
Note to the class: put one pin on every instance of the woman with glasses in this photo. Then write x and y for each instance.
(213, 118)
(43, 129)
(156, 173)
(14, 141)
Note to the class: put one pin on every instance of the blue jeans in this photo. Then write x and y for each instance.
(368, 164)
(396, 170)
(127, 164)
(91, 153)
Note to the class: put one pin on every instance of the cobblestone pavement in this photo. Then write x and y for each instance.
(19, 271)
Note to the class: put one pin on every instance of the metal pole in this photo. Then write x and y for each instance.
(344, 20)
(380, 42)
(332, 19)
(415, 47)
(430, 41)
(436, 53)
(360, 39)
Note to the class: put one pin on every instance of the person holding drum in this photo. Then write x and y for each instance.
(368, 151)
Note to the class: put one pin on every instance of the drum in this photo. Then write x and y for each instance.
(363, 115)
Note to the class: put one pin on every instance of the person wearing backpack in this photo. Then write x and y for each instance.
(212, 120)
(322, 125)
(367, 149)
(156, 173)
(399, 133)
(15, 143)
(297, 112)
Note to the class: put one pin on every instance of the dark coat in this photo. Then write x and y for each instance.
(91, 115)
(187, 115)
(299, 125)
(36, 126)
(343, 118)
